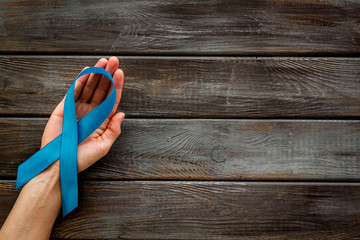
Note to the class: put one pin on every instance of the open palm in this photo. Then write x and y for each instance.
(90, 91)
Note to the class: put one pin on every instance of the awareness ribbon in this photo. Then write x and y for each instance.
(65, 145)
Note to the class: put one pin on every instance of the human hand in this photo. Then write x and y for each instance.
(34, 218)
(90, 91)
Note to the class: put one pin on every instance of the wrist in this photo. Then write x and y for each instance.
(36, 208)
(49, 178)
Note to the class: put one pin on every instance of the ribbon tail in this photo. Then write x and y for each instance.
(68, 155)
(38, 162)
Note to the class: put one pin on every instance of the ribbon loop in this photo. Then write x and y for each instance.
(65, 145)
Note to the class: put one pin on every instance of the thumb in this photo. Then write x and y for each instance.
(113, 130)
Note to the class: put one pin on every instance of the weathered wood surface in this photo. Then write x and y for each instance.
(194, 86)
(210, 63)
(208, 149)
(207, 210)
(181, 27)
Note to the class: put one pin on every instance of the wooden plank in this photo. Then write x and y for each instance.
(196, 149)
(207, 210)
(186, 27)
(223, 87)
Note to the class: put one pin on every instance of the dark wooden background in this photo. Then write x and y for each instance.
(242, 116)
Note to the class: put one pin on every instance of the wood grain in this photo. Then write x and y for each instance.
(195, 149)
(181, 27)
(208, 87)
(207, 210)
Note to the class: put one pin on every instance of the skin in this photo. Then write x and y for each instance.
(39, 202)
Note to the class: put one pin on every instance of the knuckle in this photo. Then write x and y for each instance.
(118, 132)
(105, 151)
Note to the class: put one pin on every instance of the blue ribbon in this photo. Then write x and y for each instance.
(65, 145)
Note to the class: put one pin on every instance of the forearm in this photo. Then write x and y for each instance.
(36, 209)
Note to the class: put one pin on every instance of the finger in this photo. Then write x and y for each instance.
(102, 88)
(92, 82)
(119, 83)
(80, 82)
(59, 109)
(112, 131)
